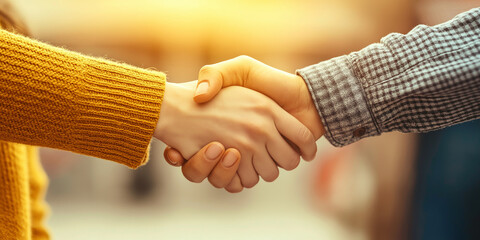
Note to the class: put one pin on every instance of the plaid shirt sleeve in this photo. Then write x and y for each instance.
(421, 81)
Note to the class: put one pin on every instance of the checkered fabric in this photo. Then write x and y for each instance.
(421, 81)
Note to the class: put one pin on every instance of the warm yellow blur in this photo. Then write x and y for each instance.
(208, 31)
(357, 192)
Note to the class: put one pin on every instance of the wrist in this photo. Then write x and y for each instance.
(174, 103)
(308, 105)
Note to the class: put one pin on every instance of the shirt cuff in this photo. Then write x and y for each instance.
(340, 101)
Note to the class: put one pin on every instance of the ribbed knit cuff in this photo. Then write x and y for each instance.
(118, 109)
(61, 99)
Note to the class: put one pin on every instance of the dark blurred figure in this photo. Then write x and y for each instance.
(446, 202)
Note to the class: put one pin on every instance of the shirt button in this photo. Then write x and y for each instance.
(359, 132)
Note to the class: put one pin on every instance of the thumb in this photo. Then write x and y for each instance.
(212, 78)
(210, 81)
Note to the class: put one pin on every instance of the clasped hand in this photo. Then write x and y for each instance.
(263, 129)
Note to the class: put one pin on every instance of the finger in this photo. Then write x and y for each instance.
(296, 132)
(265, 166)
(246, 72)
(246, 172)
(202, 163)
(235, 186)
(226, 169)
(173, 157)
(212, 78)
(283, 154)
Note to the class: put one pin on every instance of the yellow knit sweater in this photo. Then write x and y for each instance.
(60, 99)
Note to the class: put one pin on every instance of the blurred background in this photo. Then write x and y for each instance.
(397, 186)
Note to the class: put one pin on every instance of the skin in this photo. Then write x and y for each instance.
(199, 167)
(292, 95)
(240, 117)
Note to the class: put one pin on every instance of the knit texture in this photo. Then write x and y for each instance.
(30, 216)
(60, 99)
(56, 98)
(421, 81)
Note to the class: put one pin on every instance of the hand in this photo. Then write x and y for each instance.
(211, 161)
(254, 123)
(288, 90)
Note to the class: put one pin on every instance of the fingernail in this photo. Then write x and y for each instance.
(202, 88)
(169, 159)
(229, 159)
(213, 151)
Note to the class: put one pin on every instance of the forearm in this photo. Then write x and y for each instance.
(417, 82)
(56, 98)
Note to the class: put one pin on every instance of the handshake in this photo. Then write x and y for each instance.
(265, 118)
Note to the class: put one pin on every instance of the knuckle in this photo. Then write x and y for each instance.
(263, 108)
(258, 130)
(205, 70)
(192, 174)
(246, 144)
(292, 164)
(271, 176)
(234, 189)
(243, 58)
(250, 183)
(304, 135)
(214, 182)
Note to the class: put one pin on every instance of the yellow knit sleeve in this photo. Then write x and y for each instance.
(57, 98)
